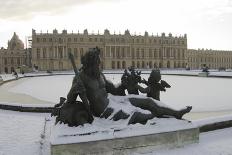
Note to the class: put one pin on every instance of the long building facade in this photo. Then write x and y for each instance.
(214, 59)
(118, 51)
(14, 57)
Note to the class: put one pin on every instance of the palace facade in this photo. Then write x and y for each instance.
(14, 57)
(214, 59)
(118, 51)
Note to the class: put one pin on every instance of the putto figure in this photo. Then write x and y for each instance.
(130, 80)
(99, 100)
(154, 85)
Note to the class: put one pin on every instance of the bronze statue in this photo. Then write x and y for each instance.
(93, 88)
(154, 85)
(130, 80)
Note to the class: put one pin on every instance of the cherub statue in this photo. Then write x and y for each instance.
(154, 85)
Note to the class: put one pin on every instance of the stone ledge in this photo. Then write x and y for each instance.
(129, 145)
(26, 109)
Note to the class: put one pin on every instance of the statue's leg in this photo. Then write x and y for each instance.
(120, 115)
(139, 117)
(157, 110)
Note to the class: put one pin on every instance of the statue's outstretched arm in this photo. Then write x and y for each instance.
(115, 90)
(143, 90)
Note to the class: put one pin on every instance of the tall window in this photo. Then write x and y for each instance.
(60, 52)
(75, 53)
(150, 53)
(137, 53)
(44, 52)
(128, 52)
(81, 52)
(18, 61)
(5, 61)
(38, 52)
(142, 52)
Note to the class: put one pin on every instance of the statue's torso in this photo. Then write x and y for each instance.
(96, 93)
(154, 91)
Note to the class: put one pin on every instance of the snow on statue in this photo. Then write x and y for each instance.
(100, 98)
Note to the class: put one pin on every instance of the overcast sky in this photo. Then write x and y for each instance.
(208, 23)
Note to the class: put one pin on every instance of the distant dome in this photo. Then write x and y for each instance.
(15, 43)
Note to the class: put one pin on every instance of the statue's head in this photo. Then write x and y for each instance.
(91, 62)
(155, 76)
(91, 57)
(133, 76)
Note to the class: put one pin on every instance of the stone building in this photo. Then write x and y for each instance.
(214, 59)
(118, 51)
(14, 57)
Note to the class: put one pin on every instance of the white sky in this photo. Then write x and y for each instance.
(207, 23)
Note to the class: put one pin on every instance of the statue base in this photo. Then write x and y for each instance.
(156, 134)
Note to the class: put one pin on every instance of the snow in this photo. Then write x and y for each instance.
(20, 133)
(7, 77)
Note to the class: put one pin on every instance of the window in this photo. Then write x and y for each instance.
(60, 40)
(70, 50)
(44, 52)
(38, 53)
(50, 52)
(5, 61)
(137, 53)
(128, 52)
(75, 53)
(81, 52)
(69, 39)
(137, 40)
(142, 52)
(18, 61)
(150, 53)
(60, 52)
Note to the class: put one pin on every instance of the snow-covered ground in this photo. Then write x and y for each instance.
(23, 134)
(20, 133)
